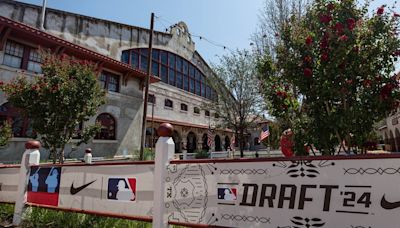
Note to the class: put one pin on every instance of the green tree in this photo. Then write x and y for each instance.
(272, 17)
(5, 133)
(239, 103)
(66, 95)
(332, 77)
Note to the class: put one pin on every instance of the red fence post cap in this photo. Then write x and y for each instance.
(88, 151)
(33, 144)
(165, 130)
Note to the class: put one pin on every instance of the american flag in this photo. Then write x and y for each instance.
(264, 133)
(209, 137)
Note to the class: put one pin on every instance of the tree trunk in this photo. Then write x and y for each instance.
(241, 143)
(53, 152)
(61, 158)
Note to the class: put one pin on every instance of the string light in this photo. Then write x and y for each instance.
(202, 38)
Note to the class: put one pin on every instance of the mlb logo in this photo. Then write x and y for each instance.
(122, 189)
(229, 194)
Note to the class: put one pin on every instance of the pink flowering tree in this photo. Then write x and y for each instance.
(59, 101)
(333, 75)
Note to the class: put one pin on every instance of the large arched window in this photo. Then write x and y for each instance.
(108, 125)
(172, 69)
(20, 125)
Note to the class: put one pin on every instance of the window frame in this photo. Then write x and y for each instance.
(151, 99)
(108, 76)
(196, 110)
(172, 69)
(166, 100)
(10, 115)
(184, 107)
(25, 56)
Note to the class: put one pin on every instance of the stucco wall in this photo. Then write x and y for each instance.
(125, 107)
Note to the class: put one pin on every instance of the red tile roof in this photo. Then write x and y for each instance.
(47, 39)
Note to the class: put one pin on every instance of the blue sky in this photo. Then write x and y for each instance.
(226, 22)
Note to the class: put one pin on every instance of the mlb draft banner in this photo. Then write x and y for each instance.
(348, 193)
(125, 190)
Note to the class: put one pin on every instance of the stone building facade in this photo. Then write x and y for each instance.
(179, 72)
(389, 132)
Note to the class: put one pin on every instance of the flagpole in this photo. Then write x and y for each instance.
(146, 90)
(269, 146)
(43, 15)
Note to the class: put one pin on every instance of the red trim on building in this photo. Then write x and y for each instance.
(44, 39)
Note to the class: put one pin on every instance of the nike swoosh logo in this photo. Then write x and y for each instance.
(73, 190)
(389, 205)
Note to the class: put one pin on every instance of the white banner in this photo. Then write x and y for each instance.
(117, 189)
(360, 193)
(345, 193)
(124, 190)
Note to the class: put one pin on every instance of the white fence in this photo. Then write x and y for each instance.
(325, 192)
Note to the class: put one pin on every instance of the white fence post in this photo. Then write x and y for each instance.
(165, 149)
(30, 157)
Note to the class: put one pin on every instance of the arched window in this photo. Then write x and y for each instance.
(191, 144)
(172, 69)
(217, 140)
(168, 103)
(196, 110)
(108, 124)
(20, 125)
(204, 144)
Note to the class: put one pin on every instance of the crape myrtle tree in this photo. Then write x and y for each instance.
(333, 75)
(239, 102)
(67, 95)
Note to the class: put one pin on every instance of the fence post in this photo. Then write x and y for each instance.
(30, 157)
(88, 156)
(165, 149)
